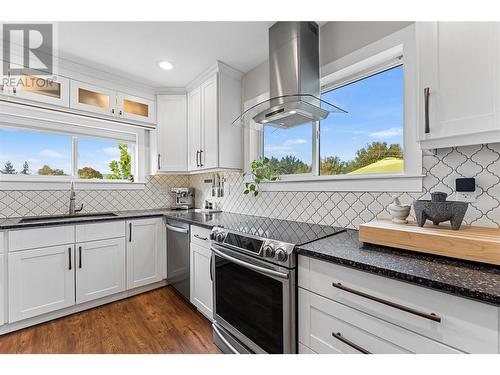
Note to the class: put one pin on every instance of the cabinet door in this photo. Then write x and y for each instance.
(172, 133)
(146, 252)
(2, 293)
(40, 281)
(194, 129)
(201, 279)
(209, 121)
(92, 98)
(42, 89)
(136, 108)
(458, 64)
(100, 269)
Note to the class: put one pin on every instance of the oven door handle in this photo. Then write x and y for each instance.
(223, 339)
(242, 263)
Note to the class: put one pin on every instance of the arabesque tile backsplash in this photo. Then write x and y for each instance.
(347, 209)
(14, 203)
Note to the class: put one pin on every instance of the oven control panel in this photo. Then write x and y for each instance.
(271, 250)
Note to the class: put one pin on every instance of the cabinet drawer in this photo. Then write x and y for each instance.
(200, 236)
(24, 239)
(305, 350)
(326, 326)
(100, 231)
(466, 325)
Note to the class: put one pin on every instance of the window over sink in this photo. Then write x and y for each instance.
(26, 153)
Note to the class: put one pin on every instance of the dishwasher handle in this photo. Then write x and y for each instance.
(177, 229)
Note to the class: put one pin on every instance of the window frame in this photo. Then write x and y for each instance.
(394, 50)
(41, 120)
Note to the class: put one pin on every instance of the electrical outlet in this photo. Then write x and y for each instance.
(465, 196)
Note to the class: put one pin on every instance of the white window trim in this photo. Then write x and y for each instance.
(36, 119)
(376, 57)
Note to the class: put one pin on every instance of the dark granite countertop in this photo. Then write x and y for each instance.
(15, 222)
(467, 279)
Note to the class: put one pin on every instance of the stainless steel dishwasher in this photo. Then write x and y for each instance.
(178, 256)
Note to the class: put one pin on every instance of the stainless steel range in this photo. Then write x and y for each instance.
(254, 273)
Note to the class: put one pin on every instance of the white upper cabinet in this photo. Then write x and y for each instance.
(209, 136)
(91, 98)
(171, 134)
(53, 90)
(109, 102)
(194, 128)
(459, 88)
(214, 101)
(135, 108)
(146, 252)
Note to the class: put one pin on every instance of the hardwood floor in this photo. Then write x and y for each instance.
(157, 322)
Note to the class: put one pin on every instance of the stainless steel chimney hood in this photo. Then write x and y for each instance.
(294, 80)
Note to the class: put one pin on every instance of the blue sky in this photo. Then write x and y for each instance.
(54, 150)
(375, 113)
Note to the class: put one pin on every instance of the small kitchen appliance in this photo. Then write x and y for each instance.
(184, 198)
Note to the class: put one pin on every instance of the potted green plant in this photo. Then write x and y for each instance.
(262, 171)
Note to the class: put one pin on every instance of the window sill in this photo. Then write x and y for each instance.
(55, 183)
(366, 183)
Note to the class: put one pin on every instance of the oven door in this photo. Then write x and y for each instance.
(254, 301)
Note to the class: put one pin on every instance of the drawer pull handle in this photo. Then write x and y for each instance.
(201, 238)
(341, 338)
(430, 316)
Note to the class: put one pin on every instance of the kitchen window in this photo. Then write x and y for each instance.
(368, 139)
(373, 146)
(44, 150)
(45, 154)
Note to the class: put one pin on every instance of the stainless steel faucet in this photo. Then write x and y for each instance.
(72, 199)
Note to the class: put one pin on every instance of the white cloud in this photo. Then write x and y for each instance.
(292, 142)
(112, 151)
(51, 154)
(279, 149)
(388, 133)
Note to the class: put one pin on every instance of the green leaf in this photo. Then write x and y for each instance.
(255, 193)
(252, 187)
(246, 192)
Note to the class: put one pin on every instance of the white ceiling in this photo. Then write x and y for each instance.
(133, 49)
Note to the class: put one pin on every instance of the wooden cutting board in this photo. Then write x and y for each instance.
(478, 244)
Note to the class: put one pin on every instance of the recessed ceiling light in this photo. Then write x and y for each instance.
(165, 65)
(264, 121)
(292, 112)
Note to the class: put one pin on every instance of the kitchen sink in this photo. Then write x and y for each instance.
(64, 217)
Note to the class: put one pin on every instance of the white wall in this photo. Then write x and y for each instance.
(337, 39)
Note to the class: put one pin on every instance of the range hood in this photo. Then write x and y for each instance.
(294, 80)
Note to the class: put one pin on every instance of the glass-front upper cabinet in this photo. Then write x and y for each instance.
(109, 102)
(92, 98)
(46, 89)
(136, 108)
